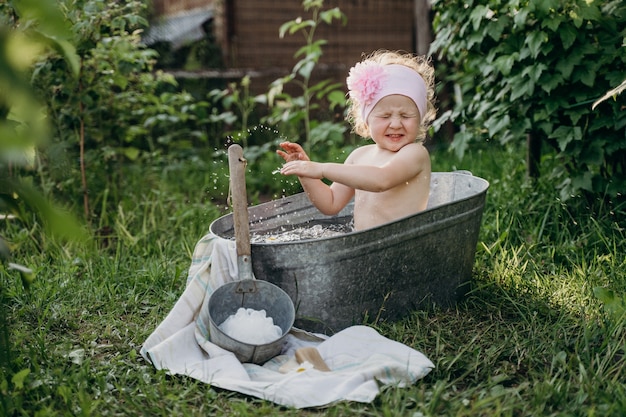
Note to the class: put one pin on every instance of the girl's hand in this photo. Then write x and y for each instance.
(292, 152)
(305, 169)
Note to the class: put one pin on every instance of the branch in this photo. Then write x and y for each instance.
(612, 93)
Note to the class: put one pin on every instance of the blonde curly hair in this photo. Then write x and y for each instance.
(422, 65)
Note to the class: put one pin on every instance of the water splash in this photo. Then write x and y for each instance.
(258, 134)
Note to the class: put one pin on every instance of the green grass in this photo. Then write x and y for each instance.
(532, 337)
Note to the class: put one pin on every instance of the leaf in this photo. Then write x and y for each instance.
(568, 36)
(588, 77)
(311, 52)
(48, 15)
(594, 153)
(19, 378)
(300, 25)
(590, 11)
(566, 134)
(608, 298)
(565, 66)
(534, 41)
(576, 18)
(120, 80)
(21, 50)
(131, 153)
(552, 23)
(496, 124)
(58, 222)
(520, 17)
(67, 51)
(336, 99)
(523, 88)
(335, 13)
(582, 181)
(550, 81)
(460, 143)
(284, 28)
(305, 68)
(534, 71)
(495, 29)
(504, 64)
(477, 16)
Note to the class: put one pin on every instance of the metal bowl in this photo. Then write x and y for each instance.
(257, 295)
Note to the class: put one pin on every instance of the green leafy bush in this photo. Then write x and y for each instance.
(28, 31)
(118, 110)
(535, 67)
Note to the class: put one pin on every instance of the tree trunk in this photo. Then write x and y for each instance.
(533, 154)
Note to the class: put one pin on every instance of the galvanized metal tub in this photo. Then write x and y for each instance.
(382, 273)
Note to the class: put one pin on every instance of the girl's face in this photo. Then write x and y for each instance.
(394, 122)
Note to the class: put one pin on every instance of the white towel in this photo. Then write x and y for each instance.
(359, 357)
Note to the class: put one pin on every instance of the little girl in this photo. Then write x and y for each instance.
(391, 101)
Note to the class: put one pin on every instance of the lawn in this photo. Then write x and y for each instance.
(542, 331)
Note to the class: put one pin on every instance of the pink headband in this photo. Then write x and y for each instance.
(368, 82)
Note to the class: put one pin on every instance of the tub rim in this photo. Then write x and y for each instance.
(482, 189)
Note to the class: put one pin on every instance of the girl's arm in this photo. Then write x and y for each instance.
(328, 199)
(407, 163)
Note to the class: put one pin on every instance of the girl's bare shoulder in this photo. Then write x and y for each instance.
(360, 152)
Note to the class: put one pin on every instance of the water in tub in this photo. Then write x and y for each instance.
(312, 231)
(251, 326)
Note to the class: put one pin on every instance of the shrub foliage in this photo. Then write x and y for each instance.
(535, 67)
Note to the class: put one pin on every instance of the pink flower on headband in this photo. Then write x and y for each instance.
(364, 81)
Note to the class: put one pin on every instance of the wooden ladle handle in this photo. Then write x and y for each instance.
(237, 166)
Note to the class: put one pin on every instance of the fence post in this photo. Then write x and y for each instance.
(423, 36)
